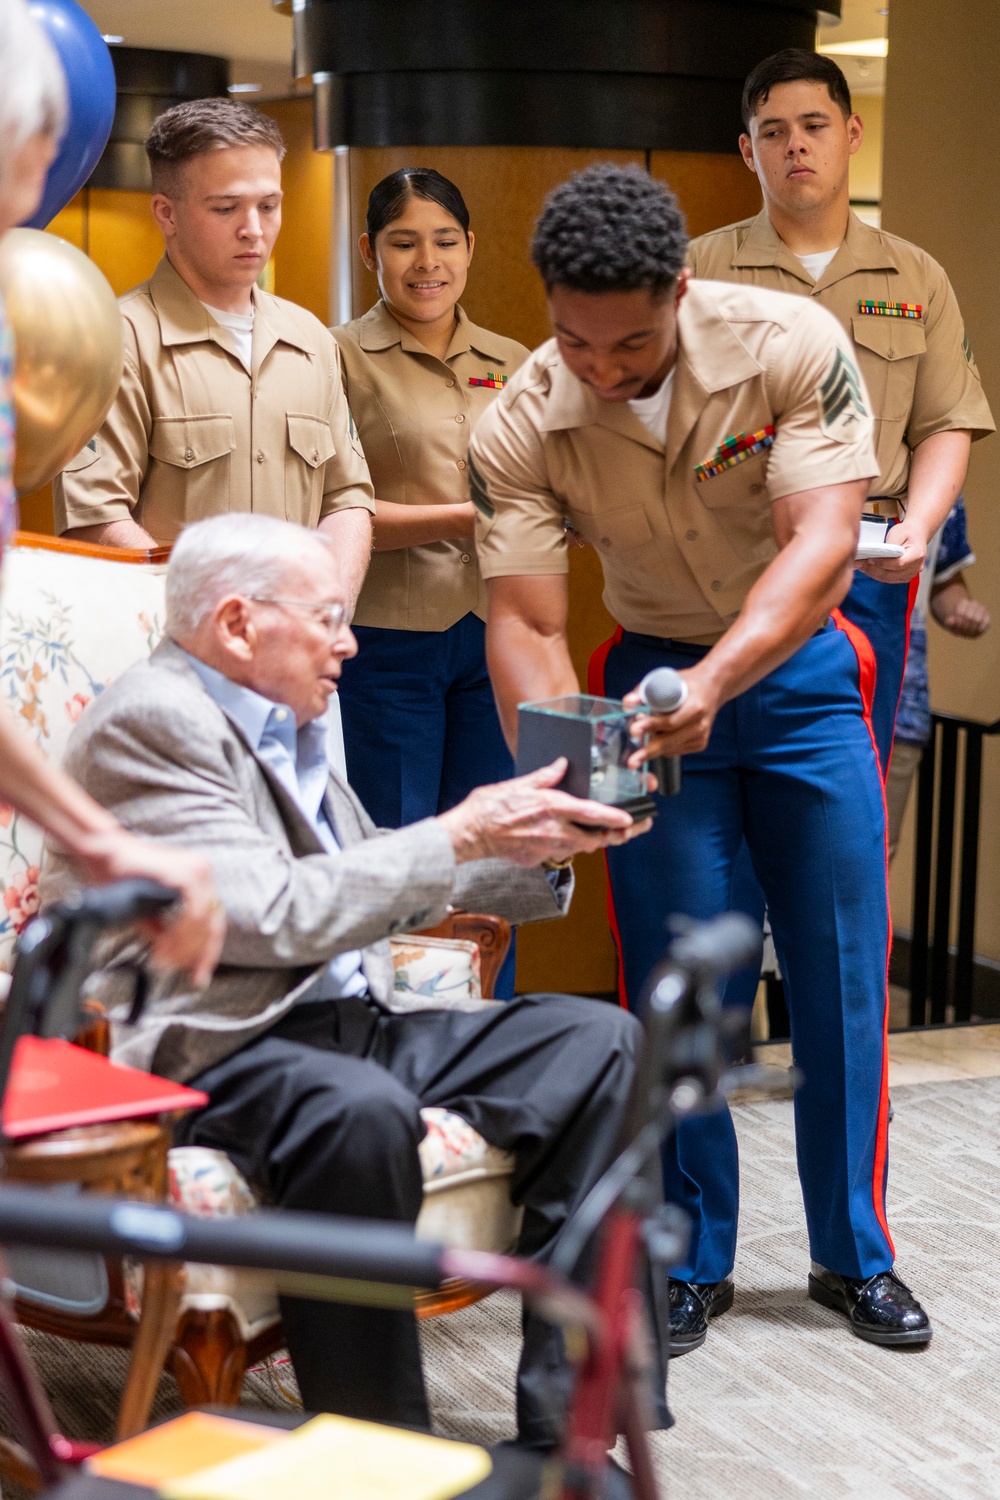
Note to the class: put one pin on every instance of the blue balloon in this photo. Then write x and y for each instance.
(90, 83)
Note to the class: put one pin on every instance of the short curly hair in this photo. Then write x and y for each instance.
(610, 229)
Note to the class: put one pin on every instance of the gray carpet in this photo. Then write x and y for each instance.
(782, 1403)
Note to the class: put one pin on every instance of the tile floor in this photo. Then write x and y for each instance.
(937, 1055)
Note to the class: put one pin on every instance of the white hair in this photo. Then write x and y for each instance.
(230, 554)
(33, 96)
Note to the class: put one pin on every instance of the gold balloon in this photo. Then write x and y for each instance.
(68, 355)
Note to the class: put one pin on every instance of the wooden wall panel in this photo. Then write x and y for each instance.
(712, 190)
(302, 253)
(124, 239)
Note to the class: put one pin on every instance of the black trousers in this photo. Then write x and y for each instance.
(323, 1114)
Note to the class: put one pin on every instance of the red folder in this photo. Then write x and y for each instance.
(54, 1084)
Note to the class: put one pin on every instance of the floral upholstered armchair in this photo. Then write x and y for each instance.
(72, 618)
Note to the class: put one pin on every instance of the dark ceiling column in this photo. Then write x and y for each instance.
(630, 74)
(148, 82)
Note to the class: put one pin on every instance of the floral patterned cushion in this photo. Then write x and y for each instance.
(452, 1146)
(69, 625)
(444, 972)
(466, 1202)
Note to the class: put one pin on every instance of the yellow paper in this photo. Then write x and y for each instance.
(187, 1445)
(338, 1458)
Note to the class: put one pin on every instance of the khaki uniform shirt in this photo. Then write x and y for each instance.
(191, 434)
(680, 553)
(919, 370)
(415, 414)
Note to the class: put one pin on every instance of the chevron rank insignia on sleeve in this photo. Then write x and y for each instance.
(479, 493)
(842, 403)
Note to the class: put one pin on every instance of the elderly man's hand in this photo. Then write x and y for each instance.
(527, 820)
(189, 938)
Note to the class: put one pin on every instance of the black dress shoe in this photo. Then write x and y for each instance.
(882, 1309)
(692, 1303)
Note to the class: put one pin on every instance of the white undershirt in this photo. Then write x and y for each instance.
(817, 264)
(653, 411)
(237, 331)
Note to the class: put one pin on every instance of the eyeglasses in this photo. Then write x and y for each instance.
(332, 615)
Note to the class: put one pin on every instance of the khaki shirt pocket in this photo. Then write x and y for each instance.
(614, 532)
(193, 475)
(310, 447)
(743, 486)
(89, 454)
(888, 351)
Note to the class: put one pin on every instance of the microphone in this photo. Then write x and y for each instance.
(664, 690)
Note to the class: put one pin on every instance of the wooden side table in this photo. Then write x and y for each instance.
(126, 1158)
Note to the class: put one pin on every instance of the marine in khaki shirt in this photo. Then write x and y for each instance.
(899, 309)
(683, 530)
(420, 721)
(919, 369)
(414, 415)
(193, 433)
(714, 443)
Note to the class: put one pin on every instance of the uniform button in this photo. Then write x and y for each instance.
(691, 536)
(460, 464)
(716, 585)
(466, 558)
(315, 455)
(756, 489)
(189, 454)
(451, 385)
(892, 353)
(460, 417)
(605, 541)
(260, 456)
(281, 714)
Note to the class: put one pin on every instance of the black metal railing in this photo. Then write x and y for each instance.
(955, 744)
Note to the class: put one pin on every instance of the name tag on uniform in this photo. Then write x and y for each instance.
(875, 309)
(495, 382)
(734, 450)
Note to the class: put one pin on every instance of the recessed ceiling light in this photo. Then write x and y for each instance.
(873, 46)
(111, 39)
(245, 88)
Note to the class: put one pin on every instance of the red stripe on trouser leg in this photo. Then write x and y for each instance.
(595, 669)
(595, 685)
(866, 683)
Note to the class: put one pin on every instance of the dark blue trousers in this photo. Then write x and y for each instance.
(420, 726)
(882, 611)
(791, 770)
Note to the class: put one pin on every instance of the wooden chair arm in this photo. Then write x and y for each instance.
(95, 1033)
(491, 934)
(61, 544)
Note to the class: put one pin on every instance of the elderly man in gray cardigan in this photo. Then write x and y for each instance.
(315, 1072)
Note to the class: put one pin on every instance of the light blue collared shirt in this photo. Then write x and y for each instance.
(299, 759)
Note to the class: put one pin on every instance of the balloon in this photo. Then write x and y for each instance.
(90, 83)
(68, 352)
